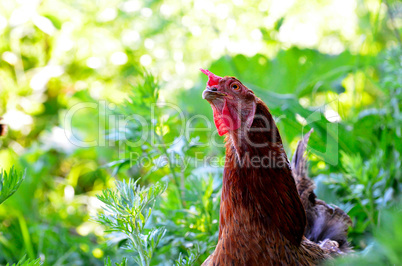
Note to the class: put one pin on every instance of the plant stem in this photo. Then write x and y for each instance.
(171, 168)
(135, 239)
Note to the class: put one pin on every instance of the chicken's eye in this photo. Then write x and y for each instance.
(235, 87)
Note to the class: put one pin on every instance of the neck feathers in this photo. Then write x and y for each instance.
(258, 186)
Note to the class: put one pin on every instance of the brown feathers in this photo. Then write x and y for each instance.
(324, 222)
(263, 220)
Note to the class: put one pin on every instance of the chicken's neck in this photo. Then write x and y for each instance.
(259, 193)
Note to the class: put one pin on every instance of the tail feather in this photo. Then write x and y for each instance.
(325, 224)
(305, 185)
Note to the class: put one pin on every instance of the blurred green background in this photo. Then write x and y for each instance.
(335, 66)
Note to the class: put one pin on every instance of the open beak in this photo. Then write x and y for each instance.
(211, 93)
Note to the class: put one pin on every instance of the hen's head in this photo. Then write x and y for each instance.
(233, 103)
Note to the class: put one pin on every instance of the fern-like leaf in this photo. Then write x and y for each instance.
(9, 183)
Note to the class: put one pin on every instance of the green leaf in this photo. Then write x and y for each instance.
(27, 262)
(9, 183)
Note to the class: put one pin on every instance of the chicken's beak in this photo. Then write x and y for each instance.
(211, 93)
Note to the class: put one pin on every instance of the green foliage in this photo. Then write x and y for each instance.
(385, 247)
(191, 259)
(361, 181)
(189, 209)
(9, 183)
(342, 77)
(108, 262)
(370, 181)
(127, 210)
(27, 262)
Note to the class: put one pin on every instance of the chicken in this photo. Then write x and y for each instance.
(263, 219)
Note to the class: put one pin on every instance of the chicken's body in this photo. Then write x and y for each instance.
(262, 218)
(327, 225)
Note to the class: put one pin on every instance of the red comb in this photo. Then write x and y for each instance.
(213, 79)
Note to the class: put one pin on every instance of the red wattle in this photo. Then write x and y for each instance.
(230, 118)
(220, 125)
(226, 121)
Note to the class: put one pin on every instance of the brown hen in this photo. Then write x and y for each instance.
(262, 217)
